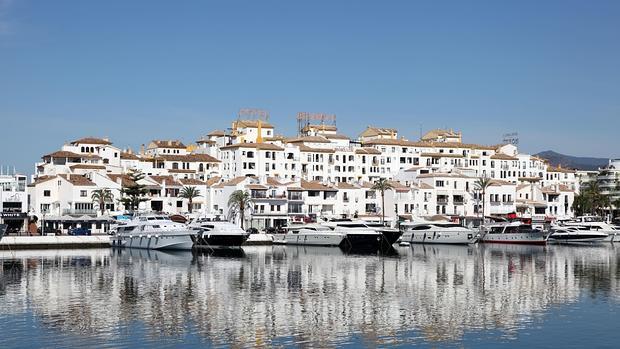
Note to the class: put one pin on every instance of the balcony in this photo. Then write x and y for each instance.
(91, 211)
(442, 201)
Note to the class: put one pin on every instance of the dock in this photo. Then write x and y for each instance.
(53, 242)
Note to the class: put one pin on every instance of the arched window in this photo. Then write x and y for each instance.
(175, 165)
(82, 149)
(201, 168)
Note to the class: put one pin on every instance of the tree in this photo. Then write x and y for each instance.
(189, 193)
(481, 184)
(134, 193)
(238, 202)
(102, 197)
(382, 185)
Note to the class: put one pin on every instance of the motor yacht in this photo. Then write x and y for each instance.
(513, 233)
(390, 235)
(575, 235)
(426, 232)
(310, 234)
(156, 232)
(595, 223)
(217, 233)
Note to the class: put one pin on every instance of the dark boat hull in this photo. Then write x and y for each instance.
(221, 240)
(362, 242)
(391, 237)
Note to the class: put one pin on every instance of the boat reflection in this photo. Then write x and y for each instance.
(322, 296)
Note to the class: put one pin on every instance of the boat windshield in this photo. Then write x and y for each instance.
(447, 225)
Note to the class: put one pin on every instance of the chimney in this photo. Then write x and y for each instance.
(142, 149)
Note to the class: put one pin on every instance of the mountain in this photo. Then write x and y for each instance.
(580, 163)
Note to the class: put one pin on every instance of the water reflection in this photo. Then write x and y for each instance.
(299, 295)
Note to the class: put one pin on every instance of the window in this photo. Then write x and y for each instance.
(47, 193)
(439, 183)
(83, 193)
(179, 204)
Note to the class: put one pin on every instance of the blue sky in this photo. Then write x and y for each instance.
(138, 70)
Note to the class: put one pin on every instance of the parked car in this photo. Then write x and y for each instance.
(79, 231)
(252, 230)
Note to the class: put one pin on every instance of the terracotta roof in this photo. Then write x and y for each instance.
(425, 186)
(129, 156)
(176, 144)
(92, 140)
(258, 146)
(333, 136)
(443, 174)
(530, 179)
(87, 167)
(206, 141)
(308, 139)
(399, 187)
(345, 185)
(319, 128)
(378, 131)
(68, 154)
(170, 181)
(275, 138)
(252, 123)
(499, 182)
(256, 186)
(187, 158)
(213, 181)
(367, 151)
(433, 134)
(314, 185)
(191, 181)
(522, 186)
(273, 181)
(442, 155)
(501, 156)
(413, 169)
(181, 171)
(126, 181)
(234, 181)
(78, 180)
(307, 149)
(41, 179)
(216, 133)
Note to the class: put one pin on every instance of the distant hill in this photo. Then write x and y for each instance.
(580, 163)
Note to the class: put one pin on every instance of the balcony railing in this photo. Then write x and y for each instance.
(79, 211)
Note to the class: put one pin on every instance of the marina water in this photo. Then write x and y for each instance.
(455, 296)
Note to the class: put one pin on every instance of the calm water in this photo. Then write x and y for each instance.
(457, 296)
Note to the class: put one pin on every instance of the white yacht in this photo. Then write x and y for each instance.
(426, 232)
(310, 234)
(575, 235)
(390, 235)
(513, 233)
(595, 223)
(155, 232)
(218, 233)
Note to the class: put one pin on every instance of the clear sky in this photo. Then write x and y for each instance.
(138, 70)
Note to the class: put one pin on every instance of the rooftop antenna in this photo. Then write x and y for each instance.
(304, 119)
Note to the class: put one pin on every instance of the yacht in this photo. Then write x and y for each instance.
(155, 232)
(513, 233)
(310, 234)
(390, 235)
(575, 234)
(424, 232)
(217, 233)
(595, 223)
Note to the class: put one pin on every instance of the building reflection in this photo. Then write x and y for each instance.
(301, 294)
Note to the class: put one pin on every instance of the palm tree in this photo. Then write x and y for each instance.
(481, 185)
(382, 185)
(189, 193)
(238, 202)
(102, 197)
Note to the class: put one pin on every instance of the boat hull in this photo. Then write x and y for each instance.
(330, 239)
(391, 236)
(363, 241)
(441, 237)
(515, 238)
(222, 240)
(152, 242)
